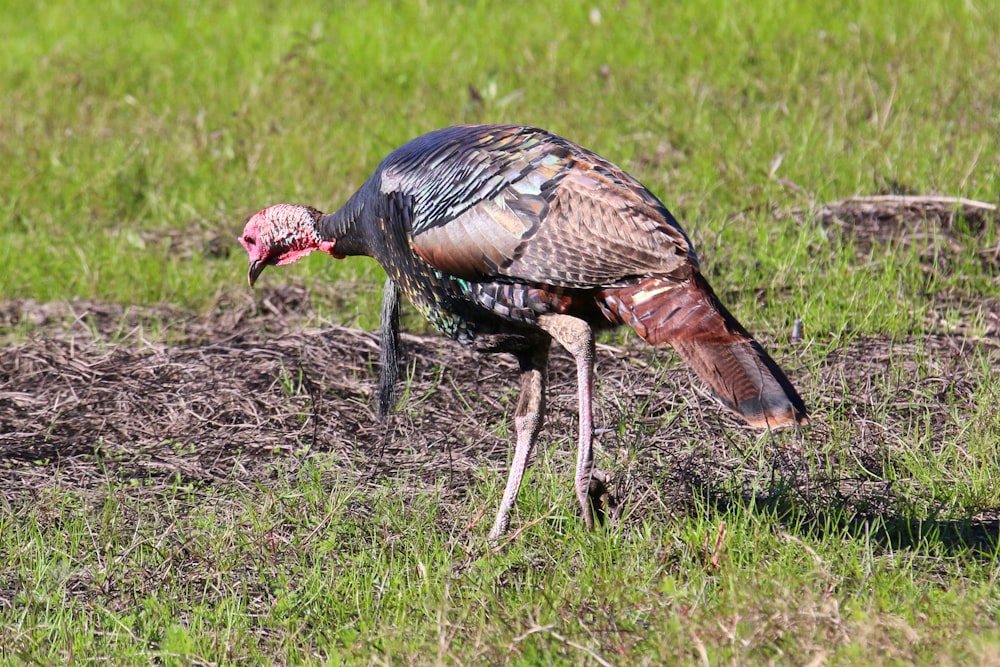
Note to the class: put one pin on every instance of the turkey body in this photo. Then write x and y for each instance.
(506, 237)
(485, 228)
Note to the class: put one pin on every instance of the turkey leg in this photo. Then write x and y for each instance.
(528, 420)
(577, 337)
(388, 371)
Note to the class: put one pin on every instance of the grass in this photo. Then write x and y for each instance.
(132, 162)
(136, 139)
(308, 570)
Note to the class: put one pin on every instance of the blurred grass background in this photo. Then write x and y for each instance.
(136, 139)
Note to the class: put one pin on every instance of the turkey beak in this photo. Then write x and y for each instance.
(256, 268)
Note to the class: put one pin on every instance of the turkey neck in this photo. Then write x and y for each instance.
(369, 224)
(346, 227)
(373, 224)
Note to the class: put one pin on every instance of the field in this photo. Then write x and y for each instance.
(192, 472)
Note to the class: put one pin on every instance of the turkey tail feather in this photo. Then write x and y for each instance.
(687, 316)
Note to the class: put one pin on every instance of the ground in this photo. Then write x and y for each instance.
(86, 396)
(107, 414)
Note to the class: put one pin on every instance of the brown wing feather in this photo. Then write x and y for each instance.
(597, 233)
(573, 223)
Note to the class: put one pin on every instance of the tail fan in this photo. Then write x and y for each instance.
(687, 316)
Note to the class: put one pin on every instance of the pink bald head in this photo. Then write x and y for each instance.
(282, 234)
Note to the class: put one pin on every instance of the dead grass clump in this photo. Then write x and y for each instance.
(941, 229)
(944, 231)
(930, 221)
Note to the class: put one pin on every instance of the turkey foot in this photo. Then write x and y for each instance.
(602, 501)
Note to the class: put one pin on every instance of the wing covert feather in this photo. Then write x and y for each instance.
(524, 205)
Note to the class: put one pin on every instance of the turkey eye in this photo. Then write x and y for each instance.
(249, 239)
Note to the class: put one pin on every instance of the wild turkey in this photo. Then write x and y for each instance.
(506, 237)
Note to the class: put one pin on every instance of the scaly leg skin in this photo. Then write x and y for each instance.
(528, 420)
(577, 337)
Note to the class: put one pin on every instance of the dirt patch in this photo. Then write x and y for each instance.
(940, 226)
(270, 311)
(249, 389)
(254, 387)
(947, 233)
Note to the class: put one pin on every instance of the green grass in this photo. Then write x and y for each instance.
(134, 138)
(305, 571)
(130, 126)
